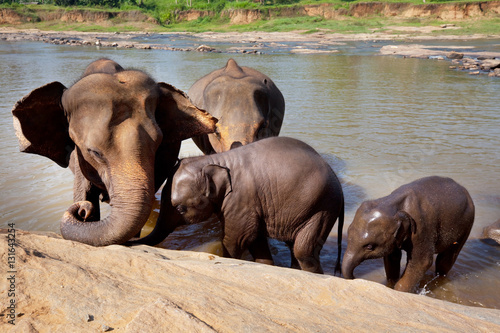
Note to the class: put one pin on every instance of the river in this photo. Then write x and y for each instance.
(380, 121)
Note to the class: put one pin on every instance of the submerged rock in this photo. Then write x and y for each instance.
(59, 283)
(493, 231)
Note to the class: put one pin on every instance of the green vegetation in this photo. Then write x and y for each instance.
(166, 12)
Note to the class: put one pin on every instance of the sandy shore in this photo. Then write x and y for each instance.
(389, 33)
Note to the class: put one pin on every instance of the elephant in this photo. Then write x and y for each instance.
(493, 231)
(276, 187)
(246, 102)
(103, 65)
(431, 215)
(120, 133)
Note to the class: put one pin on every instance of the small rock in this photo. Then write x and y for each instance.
(89, 318)
(205, 48)
(474, 73)
(106, 328)
(485, 58)
(452, 67)
(448, 25)
(454, 55)
(115, 44)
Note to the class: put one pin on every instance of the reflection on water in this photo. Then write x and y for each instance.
(380, 121)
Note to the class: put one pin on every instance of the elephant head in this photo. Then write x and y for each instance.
(374, 233)
(197, 190)
(121, 132)
(247, 103)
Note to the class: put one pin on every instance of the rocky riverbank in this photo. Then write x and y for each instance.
(471, 60)
(65, 286)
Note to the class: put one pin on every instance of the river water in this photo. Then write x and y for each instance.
(380, 121)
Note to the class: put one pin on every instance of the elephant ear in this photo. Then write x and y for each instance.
(217, 181)
(41, 125)
(405, 227)
(178, 118)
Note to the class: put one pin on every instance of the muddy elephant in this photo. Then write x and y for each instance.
(276, 187)
(247, 103)
(432, 215)
(120, 132)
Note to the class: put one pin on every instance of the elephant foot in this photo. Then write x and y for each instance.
(81, 211)
(493, 232)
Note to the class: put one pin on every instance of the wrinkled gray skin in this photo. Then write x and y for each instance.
(120, 133)
(432, 215)
(276, 187)
(247, 103)
(493, 231)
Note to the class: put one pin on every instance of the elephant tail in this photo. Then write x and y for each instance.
(339, 236)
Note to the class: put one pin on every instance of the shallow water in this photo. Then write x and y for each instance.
(380, 121)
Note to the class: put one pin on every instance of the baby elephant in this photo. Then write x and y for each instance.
(428, 216)
(277, 187)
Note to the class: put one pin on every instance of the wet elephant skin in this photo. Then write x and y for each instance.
(120, 133)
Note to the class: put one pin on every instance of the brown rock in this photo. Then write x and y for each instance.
(147, 289)
(454, 55)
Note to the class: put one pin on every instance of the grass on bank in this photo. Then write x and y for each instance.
(347, 24)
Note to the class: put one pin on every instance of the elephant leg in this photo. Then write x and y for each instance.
(230, 249)
(293, 262)
(414, 272)
(308, 245)
(445, 260)
(259, 249)
(392, 264)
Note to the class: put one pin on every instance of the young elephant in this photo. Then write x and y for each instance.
(428, 216)
(277, 187)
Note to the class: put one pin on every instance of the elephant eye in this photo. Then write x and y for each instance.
(97, 155)
(217, 132)
(181, 209)
(370, 247)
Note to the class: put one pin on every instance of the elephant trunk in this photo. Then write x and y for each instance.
(349, 263)
(130, 209)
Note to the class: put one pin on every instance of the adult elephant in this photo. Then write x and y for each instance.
(120, 133)
(247, 103)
